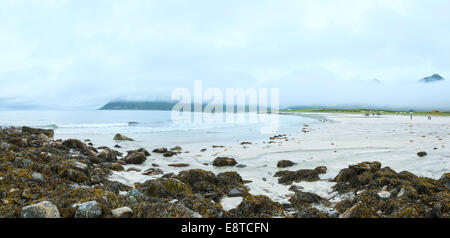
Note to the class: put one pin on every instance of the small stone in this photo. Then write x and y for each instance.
(81, 166)
(180, 165)
(169, 154)
(177, 148)
(422, 154)
(241, 166)
(133, 169)
(234, 193)
(37, 177)
(90, 209)
(43, 209)
(135, 193)
(5, 146)
(152, 172)
(132, 200)
(123, 212)
(160, 150)
(23, 163)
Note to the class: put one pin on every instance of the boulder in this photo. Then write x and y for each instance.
(139, 150)
(165, 188)
(445, 179)
(287, 177)
(120, 137)
(360, 210)
(107, 155)
(43, 209)
(301, 198)
(199, 180)
(224, 161)
(257, 207)
(135, 158)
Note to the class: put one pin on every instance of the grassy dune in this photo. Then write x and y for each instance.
(366, 111)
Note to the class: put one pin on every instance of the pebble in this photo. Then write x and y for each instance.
(122, 212)
(37, 177)
(234, 193)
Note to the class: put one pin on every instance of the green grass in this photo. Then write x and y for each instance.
(365, 111)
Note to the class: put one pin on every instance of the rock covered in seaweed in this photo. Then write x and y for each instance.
(224, 161)
(47, 132)
(285, 164)
(135, 158)
(386, 193)
(120, 137)
(287, 177)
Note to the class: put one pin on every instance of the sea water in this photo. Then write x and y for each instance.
(149, 128)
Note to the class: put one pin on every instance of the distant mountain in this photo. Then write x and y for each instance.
(152, 105)
(431, 79)
(376, 81)
(136, 105)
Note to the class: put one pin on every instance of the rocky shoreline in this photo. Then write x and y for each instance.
(42, 177)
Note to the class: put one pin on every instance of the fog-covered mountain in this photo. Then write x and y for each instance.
(432, 78)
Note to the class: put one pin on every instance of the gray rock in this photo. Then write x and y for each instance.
(37, 177)
(81, 166)
(234, 193)
(132, 200)
(43, 209)
(23, 163)
(123, 212)
(5, 146)
(134, 192)
(90, 209)
(241, 166)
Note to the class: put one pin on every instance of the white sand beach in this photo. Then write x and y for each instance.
(339, 141)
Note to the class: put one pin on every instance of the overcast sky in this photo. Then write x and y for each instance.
(84, 53)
